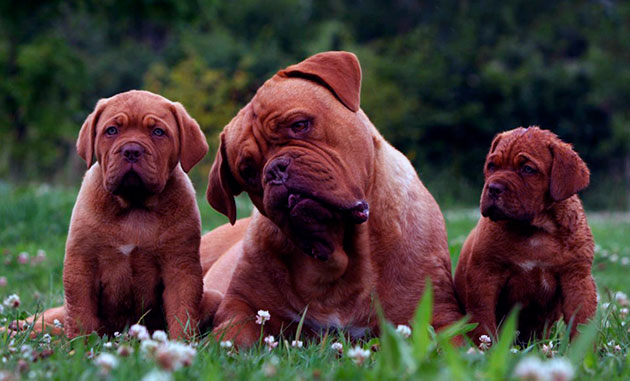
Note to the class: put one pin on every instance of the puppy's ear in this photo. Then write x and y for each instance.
(222, 187)
(192, 142)
(340, 72)
(495, 143)
(569, 173)
(87, 134)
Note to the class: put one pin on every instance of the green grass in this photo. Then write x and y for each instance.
(36, 217)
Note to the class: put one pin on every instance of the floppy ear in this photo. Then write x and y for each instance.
(340, 72)
(495, 142)
(87, 134)
(192, 142)
(569, 173)
(222, 187)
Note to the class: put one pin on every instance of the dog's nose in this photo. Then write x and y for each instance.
(277, 170)
(132, 152)
(495, 189)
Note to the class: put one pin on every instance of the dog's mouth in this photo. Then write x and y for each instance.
(494, 213)
(131, 186)
(357, 212)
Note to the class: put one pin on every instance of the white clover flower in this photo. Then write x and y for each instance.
(26, 351)
(614, 258)
(160, 336)
(157, 375)
(358, 354)
(337, 346)
(57, 324)
(547, 350)
(484, 342)
(3, 281)
(149, 346)
(117, 334)
(621, 298)
(474, 351)
(297, 343)
(623, 312)
(262, 316)
(124, 350)
(12, 301)
(39, 257)
(403, 330)
(271, 342)
(530, 368)
(625, 261)
(46, 338)
(139, 332)
(106, 362)
(173, 355)
(559, 369)
(2, 311)
(23, 258)
(107, 344)
(514, 350)
(226, 344)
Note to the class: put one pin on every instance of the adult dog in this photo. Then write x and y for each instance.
(533, 246)
(133, 246)
(341, 218)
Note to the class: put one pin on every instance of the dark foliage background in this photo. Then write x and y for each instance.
(440, 78)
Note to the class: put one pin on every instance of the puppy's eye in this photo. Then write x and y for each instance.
(491, 166)
(528, 170)
(159, 132)
(111, 130)
(300, 126)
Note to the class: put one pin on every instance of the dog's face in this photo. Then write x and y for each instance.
(138, 138)
(302, 152)
(526, 171)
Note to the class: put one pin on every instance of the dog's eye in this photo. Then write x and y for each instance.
(111, 130)
(529, 170)
(300, 126)
(491, 166)
(158, 132)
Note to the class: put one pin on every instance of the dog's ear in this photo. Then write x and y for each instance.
(340, 72)
(87, 134)
(192, 142)
(569, 173)
(495, 142)
(222, 187)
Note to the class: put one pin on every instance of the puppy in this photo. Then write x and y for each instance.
(133, 247)
(341, 217)
(533, 246)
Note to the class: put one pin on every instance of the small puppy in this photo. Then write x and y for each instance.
(533, 246)
(133, 246)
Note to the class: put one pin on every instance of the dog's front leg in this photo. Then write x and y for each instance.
(579, 296)
(183, 287)
(81, 296)
(482, 296)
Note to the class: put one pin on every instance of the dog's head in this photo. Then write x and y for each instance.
(138, 138)
(526, 171)
(302, 151)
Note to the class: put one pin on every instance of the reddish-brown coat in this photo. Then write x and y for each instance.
(278, 260)
(533, 247)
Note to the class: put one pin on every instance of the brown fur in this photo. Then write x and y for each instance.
(133, 245)
(533, 246)
(312, 163)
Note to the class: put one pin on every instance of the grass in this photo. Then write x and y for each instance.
(36, 218)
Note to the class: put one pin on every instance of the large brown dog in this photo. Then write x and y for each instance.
(133, 245)
(533, 246)
(313, 165)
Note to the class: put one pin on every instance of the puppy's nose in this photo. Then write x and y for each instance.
(132, 152)
(495, 189)
(277, 170)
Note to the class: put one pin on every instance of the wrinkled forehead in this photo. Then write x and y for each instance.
(280, 93)
(137, 106)
(533, 143)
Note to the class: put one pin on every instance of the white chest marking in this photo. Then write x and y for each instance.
(126, 249)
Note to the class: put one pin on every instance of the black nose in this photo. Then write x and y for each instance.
(277, 170)
(132, 152)
(495, 189)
